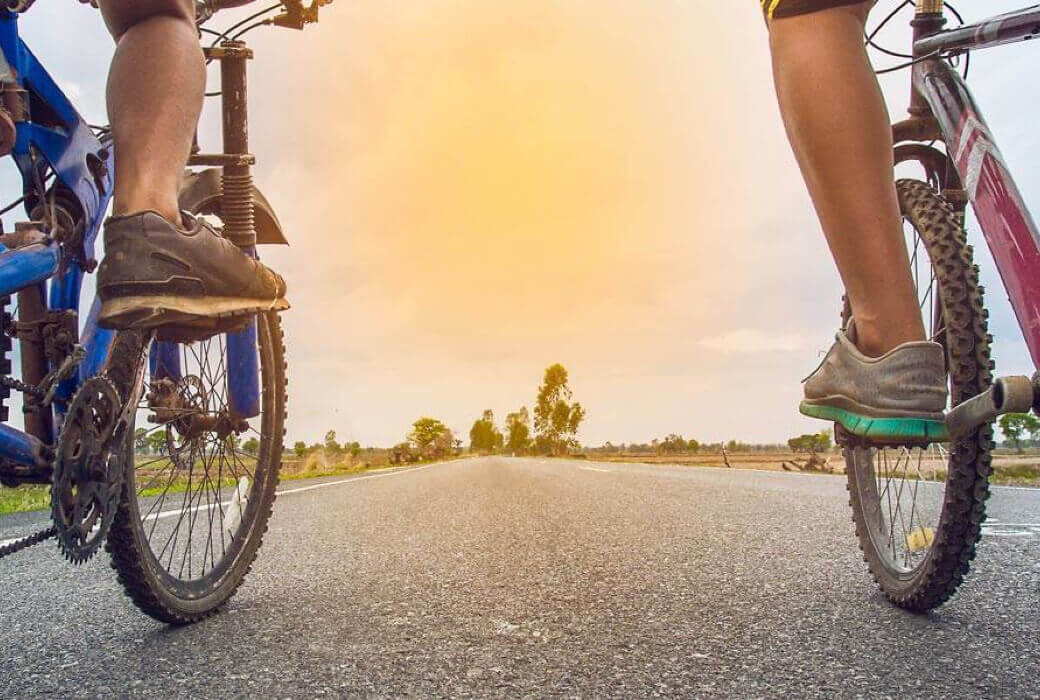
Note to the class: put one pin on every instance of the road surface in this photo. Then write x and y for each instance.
(532, 577)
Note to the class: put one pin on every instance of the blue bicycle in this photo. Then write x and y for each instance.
(165, 449)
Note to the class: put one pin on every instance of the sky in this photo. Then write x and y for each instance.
(474, 191)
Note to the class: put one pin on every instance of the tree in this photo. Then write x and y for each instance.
(141, 440)
(823, 440)
(403, 454)
(157, 442)
(331, 446)
(556, 419)
(441, 446)
(1015, 425)
(484, 436)
(518, 431)
(252, 446)
(692, 445)
(812, 443)
(673, 444)
(799, 444)
(425, 432)
(300, 448)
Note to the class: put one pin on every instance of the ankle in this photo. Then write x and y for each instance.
(876, 339)
(171, 214)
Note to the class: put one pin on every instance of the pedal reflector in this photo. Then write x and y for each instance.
(920, 539)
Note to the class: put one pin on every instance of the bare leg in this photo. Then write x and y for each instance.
(155, 92)
(839, 128)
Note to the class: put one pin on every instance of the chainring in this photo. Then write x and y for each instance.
(87, 478)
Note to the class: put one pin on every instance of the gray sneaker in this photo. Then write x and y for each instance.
(158, 275)
(899, 396)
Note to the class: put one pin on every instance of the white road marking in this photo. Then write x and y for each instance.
(401, 470)
(391, 471)
(286, 492)
(995, 528)
(990, 532)
(594, 469)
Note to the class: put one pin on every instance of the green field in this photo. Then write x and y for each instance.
(31, 498)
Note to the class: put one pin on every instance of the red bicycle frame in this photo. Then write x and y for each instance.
(943, 107)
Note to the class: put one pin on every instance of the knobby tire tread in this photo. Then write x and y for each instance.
(127, 557)
(969, 466)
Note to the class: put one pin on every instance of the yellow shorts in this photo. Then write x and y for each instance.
(775, 9)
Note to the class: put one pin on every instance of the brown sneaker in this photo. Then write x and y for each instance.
(158, 275)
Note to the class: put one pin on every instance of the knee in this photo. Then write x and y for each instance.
(121, 15)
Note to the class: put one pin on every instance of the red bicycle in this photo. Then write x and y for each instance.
(919, 508)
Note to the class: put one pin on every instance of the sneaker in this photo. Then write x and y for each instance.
(899, 396)
(158, 275)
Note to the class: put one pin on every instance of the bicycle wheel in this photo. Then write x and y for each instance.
(918, 508)
(191, 518)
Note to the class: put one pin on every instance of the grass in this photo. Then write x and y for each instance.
(35, 498)
(1016, 475)
(1009, 468)
(24, 499)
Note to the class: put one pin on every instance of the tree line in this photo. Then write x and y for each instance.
(676, 444)
(553, 431)
(157, 443)
(331, 447)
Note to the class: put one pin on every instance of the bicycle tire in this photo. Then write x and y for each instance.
(152, 588)
(951, 548)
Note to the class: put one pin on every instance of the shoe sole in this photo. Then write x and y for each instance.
(148, 312)
(878, 428)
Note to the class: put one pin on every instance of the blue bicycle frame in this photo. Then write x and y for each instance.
(53, 135)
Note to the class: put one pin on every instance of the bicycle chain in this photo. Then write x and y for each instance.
(7, 383)
(6, 344)
(26, 542)
(31, 389)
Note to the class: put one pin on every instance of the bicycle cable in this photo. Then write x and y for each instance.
(256, 15)
(870, 40)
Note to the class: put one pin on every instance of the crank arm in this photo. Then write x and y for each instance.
(1007, 395)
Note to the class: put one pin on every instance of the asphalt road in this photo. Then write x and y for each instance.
(528, 577)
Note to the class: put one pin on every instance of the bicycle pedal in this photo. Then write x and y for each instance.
(844, 438)
(202, 331)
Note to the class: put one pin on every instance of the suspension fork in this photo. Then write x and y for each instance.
(239, 224)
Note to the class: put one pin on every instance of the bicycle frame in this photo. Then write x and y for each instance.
(943, 108)
(48, 132)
